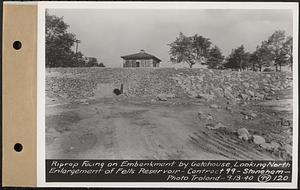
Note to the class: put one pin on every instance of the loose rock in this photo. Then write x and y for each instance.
(207, 97)
(205, 117)
(214, 127)
(258, 139)
(249, 114)
(251, 93)
(84, 102)
(285, 122)
(214, 106)
(165, 97)
(267, 146)
(162, 97)
(289, 149)
(244, 96)
(275, 145)
(220, 125)
(228, 95)
(253, 115)
(243, 134)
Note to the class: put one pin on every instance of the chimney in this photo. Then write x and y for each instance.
(142, 51)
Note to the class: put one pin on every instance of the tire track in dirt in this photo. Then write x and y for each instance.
(106, 130)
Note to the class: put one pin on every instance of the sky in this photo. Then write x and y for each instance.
(110, 34)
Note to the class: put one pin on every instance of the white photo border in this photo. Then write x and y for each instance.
(41, 156)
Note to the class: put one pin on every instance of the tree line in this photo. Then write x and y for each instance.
(275, 51)
(59, 43)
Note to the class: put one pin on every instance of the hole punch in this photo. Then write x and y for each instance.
(18, 147)
(17, 45)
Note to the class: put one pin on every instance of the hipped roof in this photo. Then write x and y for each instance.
(140, 55)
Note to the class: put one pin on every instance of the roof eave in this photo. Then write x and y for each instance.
(157, 59)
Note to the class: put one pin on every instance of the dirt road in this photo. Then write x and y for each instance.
(143, 128)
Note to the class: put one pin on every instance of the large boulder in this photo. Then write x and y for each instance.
(258, 139)
(243, 134)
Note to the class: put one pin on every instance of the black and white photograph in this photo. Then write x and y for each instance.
(142, 94)
(162, 93)
(198, 84)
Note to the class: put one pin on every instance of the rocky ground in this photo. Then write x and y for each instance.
(168, 114)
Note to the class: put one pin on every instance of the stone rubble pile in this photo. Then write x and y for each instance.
(261, 142)
(69, 88)
(233, 86)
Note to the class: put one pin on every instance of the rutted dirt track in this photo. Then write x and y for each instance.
(126, 127)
